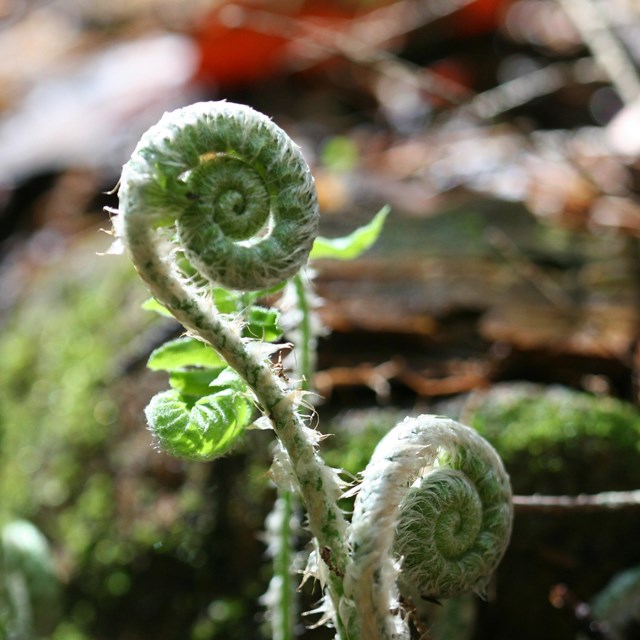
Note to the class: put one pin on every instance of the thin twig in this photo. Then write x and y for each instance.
(605, 501)
(596, 32)
(529, 86)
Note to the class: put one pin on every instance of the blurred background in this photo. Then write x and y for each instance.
(505, 291)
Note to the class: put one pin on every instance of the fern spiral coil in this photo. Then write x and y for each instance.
(232, 186)
(217, 196)
(432, 520)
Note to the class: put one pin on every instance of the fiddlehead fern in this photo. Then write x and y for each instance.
(179, 226)
(236, 188)
(433, 516)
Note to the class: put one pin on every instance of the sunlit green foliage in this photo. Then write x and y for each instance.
(201, 428)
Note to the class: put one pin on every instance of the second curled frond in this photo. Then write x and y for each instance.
(432, 520)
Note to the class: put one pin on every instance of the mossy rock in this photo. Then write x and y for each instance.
(552, 439)
(556, 440)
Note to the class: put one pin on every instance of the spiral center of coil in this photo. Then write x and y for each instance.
(229, 193)
(459, 525)
(232, 201)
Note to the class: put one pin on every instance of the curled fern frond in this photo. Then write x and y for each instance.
(215, 198)
(232, 186)
(201, 428)
(432, 520)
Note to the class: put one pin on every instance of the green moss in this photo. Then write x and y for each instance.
(57, 353)
(555, 440)
(552, 439)
(522, 415)
(75, 457)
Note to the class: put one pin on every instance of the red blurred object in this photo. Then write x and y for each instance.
(479, 17)
(237, 55)
(245, 42)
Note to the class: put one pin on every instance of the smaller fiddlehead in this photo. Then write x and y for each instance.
(432, 519)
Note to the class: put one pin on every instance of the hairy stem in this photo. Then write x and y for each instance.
(280, 596)
(283, 564)
(283, 626)
(318, 484)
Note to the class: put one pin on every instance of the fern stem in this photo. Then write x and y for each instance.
(318, 484)
(284, 569)
(306, 345)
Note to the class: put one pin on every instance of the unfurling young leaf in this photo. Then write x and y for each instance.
(193, 382)
(351, 246)
(184, 352)
(204, 428)
(263, 324)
